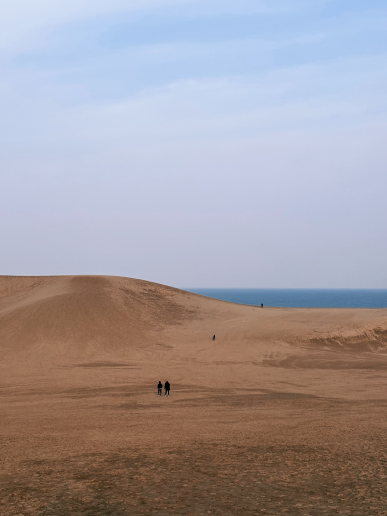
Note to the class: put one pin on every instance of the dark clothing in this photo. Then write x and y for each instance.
(167, 387)
(159, 388)
(213, 338)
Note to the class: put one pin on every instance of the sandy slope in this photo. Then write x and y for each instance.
(284, 412)
(75, 319)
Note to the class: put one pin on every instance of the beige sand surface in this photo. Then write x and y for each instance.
(284, 413)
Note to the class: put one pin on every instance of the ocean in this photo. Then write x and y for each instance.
(301, 298)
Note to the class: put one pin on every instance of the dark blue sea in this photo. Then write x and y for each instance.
(302, 298)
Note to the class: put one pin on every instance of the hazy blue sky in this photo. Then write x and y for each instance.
(195, 143)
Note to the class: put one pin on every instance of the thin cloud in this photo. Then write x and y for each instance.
(264, 149)
(22, 22)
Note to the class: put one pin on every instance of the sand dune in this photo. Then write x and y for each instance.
(78, 318)
(74, 319)
(284, 413)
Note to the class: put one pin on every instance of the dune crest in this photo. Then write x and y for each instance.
(79, 317)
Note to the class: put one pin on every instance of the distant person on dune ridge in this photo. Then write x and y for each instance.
(159, 389)
(167, 387)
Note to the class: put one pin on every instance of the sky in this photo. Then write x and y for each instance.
(195, 143)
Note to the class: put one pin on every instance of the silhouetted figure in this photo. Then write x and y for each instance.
(159, 389)
(167, 387)
(261, 305)
(213, 338)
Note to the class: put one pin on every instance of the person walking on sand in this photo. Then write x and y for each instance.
(159, 389)
(167, 387)
(213, 338)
